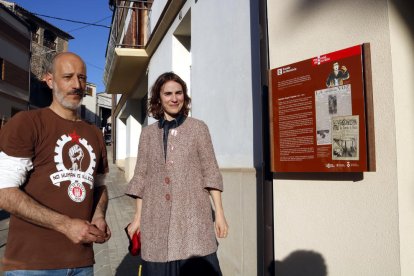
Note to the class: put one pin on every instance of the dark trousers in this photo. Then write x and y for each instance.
(200, 266)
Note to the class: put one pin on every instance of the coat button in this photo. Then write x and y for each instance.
(167, 197)
(167, 180)
(172, 148)
(170, 162)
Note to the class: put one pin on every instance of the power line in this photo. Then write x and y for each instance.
(97, 67)
(83, 27)
(74, 21)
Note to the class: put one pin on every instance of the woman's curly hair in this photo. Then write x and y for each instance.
(154, 103)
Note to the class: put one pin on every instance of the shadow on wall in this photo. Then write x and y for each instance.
(404, 7)
(300, 263)
(406, 10)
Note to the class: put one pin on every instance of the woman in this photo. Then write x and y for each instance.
(175, 175)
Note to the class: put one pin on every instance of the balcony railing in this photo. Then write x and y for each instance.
(130, 28)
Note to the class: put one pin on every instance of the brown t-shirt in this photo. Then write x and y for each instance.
(66, 157)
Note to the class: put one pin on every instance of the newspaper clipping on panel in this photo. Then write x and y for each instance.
(345, 138)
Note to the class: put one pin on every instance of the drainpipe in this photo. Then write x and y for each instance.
(261, 139)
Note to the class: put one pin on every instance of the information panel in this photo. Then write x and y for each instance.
(318, 114)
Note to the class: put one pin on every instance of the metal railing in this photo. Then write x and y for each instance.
(130, 28)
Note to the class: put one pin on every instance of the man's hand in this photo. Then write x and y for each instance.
(101, 224)
(81, 231)
(23, 206)
(98, 219)
(20, 204)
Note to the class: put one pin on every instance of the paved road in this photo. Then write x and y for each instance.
(112, 258)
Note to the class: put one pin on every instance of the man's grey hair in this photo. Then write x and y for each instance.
(50, 61)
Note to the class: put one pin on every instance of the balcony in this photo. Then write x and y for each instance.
(126, 53)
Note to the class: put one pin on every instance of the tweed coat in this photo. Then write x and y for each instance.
(177, 216)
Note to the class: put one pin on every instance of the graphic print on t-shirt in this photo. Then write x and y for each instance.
(72, 147)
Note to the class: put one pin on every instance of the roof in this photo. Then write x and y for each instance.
(29, 16)
(3, 7)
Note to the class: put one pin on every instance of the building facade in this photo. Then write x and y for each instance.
(104, 108)
(88, 108)
(280, 223)
(15, 39)
(191, 38)
(47, 40)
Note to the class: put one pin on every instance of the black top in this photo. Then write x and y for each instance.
(167, 125)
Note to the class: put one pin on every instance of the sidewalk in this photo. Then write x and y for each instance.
(112, 258)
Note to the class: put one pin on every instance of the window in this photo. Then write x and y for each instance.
(49, 39)
(89, 91)
(14, 75)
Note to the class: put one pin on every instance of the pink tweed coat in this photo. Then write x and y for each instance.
(176, 218)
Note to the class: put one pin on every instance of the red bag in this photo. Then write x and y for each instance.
(134, 247)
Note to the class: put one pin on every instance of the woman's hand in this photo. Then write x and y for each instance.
(133, 227)
(221, 225)
(222, 228)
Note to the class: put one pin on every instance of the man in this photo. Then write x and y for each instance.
(52, 167)
(337, 77)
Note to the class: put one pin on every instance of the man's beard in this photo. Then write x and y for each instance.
(60, 97)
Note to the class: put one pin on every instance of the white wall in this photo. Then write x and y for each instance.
(221, 77)
(402, 45)
(221, 87)
(133, 132)
(156, 10)
(120, 142)
(181, 59)
(353, 226)
(133, 128)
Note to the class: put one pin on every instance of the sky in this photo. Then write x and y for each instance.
(89, 42)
